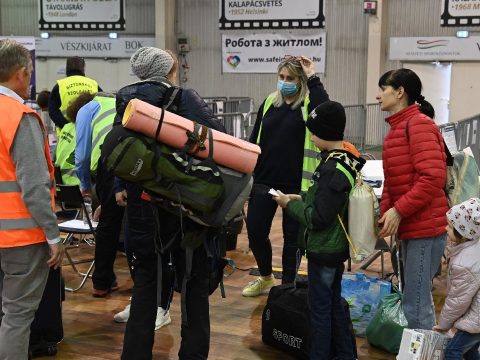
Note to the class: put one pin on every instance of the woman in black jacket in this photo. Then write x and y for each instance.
(157, 70)
(286, 163)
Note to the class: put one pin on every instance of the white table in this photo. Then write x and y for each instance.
(372, 172)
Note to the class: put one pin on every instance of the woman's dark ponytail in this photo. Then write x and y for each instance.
(412, 85)
(425, 107)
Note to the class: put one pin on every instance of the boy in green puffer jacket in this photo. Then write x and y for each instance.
(319, 212)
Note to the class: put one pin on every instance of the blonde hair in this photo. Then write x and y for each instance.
(13, 56)
(295, 69)
(175, 61)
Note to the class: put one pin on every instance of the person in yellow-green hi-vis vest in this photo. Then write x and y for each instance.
(286, 163)
(94, 122)
(67, 89)
(64, 155)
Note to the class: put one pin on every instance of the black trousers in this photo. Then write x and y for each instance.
(108, 231)
(139, 332)
(261, 211)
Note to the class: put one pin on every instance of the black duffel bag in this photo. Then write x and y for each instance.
(286, 320)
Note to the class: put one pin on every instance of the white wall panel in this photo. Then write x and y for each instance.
(346, 55)
(347, 30)
(20, 17)
(414, 18)
(345, 59)
(111, 76)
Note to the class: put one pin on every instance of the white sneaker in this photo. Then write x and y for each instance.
(122, 316)
(163, 318)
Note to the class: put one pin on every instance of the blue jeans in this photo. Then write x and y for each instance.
(421, 259)
(328, 317)
(463, 345)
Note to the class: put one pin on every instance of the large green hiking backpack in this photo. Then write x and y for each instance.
(177, 181)
(163, 170)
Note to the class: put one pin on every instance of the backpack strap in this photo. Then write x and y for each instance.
(449, 160)
(173, 94)
(341, 164)
(168, 99)
(160, 275)
(186, 277)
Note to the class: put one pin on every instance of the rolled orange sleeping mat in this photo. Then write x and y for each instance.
(228, 150)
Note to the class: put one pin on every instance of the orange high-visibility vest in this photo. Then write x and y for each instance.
(17, 226)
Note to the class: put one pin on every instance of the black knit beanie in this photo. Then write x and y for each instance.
(327, 121)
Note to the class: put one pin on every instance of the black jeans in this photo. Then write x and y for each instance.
(139, 333)
(108, 231)
(261, 211)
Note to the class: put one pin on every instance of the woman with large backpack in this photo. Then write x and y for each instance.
(157, 70)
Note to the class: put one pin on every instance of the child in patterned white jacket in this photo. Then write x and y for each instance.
(462, 305)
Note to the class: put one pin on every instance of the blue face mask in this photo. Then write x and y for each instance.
(287, 88)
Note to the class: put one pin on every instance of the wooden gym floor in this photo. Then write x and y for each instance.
(91, 333)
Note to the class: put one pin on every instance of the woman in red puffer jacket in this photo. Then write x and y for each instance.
(413, 200)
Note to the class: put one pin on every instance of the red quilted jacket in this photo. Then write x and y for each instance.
(415, 174)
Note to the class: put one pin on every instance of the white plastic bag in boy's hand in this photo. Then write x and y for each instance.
(273, 192)
(362, 221)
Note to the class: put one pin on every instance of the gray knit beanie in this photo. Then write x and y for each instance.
(148, 62)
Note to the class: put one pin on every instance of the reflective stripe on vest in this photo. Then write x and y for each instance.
(101, 126)
(310, 152)
(71, 86)
(65, 154)
(17, 226)
(349, 176)
(9, 186)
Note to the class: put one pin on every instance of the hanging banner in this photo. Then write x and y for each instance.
(461, 13)
(91, 46)
(81, 15)
(435, 48)
(261, 53)
(271, 14)
(29, 43)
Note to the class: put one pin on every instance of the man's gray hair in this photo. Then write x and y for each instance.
(13, 56)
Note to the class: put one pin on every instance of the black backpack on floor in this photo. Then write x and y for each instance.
(286, 320)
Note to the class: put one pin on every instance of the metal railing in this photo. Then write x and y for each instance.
(221, 105)
(466, 134)
(365, 127)
(236, 123)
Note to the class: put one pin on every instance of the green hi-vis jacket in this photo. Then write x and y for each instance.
(65, 154)
(310, 152)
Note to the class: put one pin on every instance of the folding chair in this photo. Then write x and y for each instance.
(381, 247)
(71, 198)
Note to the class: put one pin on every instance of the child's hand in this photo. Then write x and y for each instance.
(438, 329)
(283, 199)
(295, 197)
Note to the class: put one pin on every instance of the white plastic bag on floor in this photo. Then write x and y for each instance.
(363, 213)
(422, 345)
